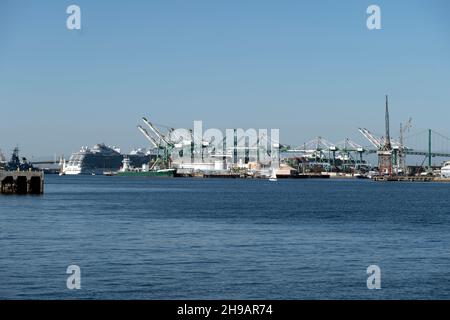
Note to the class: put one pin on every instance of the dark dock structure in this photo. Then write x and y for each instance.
(21, 182)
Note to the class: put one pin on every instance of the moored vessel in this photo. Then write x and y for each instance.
(128, 170)
(445, 170)
(102, 158)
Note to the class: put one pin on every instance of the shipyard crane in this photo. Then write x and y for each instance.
(147, 135)
(318, 144)
(168, 146)
(346, 148)
(156, 131)
(375, 141)
(166, 138)
(348, 145)
(378, 142)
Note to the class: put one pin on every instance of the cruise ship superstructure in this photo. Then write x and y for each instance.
(102, 158)
(445, 170)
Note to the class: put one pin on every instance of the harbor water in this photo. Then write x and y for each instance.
(181, 238)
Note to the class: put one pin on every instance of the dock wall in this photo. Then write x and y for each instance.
(19, 182)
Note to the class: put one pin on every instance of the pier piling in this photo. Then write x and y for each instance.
(19, 182)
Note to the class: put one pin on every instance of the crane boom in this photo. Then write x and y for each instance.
(369, 136)
(155, 131)
(149, 138)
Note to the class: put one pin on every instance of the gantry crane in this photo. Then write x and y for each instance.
(164, 142)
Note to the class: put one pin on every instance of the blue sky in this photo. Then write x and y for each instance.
(308, 68)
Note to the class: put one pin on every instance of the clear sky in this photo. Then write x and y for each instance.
(308, 68)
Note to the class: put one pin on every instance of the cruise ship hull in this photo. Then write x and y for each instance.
(101, 159)
(445, 172)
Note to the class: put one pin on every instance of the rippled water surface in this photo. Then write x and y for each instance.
(139, 238)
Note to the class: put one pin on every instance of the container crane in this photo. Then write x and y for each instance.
(147, 135)
(376, 142)
(168, 146)
(156, 131)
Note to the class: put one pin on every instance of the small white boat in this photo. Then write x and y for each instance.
(273, 175)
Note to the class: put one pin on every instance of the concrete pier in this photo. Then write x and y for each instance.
(21, 182)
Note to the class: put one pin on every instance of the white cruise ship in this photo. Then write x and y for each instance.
(445, 170)
(102, 158)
